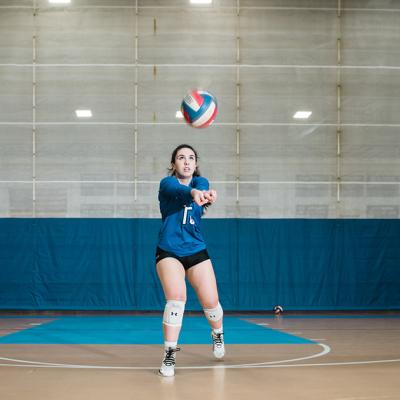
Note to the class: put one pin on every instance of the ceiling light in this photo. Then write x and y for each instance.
(302, 114)
(201, 1)
(83, 113)
(59, 1)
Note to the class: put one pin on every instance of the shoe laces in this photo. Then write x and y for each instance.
(169, 358)
(218, 339)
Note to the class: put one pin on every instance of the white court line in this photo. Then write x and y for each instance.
(330, 364)
(211, 367)
(270, 364)
(326, 350)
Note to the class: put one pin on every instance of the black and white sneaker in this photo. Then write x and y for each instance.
(167, 368)
(218, 344)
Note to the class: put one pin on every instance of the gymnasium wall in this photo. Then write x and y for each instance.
(310, 264)
(131, 62)
(98, 264)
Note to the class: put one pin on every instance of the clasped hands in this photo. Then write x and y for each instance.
(201, 197)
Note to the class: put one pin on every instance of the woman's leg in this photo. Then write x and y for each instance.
(202, 279)
(172, 277)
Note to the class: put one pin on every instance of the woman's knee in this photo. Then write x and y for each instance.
(173, 313)
(177, 296)
(215, 313)
(210, 303)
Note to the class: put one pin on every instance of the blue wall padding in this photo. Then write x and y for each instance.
(109, 264)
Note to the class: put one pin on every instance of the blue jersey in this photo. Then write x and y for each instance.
(180, 231)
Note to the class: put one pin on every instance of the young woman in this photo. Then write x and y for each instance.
(182, 252)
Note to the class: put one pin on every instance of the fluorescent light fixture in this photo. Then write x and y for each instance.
(59, 1)
(83, 113)
(201, 1)
(302, 114)
(179, 115)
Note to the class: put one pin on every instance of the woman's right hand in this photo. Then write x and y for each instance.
(210, 195)
(199, 197)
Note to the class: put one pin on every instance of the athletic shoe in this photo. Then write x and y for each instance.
(167, 368)
(218, 344)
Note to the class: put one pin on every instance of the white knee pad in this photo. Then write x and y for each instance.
(214, 314)
(173, 312)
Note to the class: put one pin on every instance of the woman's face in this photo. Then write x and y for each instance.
(185, 163)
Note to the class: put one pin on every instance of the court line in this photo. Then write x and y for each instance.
(268, 364)
(329, 364)
(209, 367)
(326, 350)
(39, 364)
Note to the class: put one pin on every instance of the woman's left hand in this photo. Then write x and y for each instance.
(210, 195)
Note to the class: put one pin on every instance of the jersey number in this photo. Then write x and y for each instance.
(184, 221)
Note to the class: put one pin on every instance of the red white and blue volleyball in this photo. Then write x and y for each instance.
(199, 108)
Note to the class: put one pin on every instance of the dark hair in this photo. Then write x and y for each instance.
(175, 152)
(196, 171)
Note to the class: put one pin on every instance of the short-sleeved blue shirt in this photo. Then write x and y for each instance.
(181, 217)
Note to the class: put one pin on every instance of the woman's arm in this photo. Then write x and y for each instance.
(170, 187)
(200, 193)
(208, 196)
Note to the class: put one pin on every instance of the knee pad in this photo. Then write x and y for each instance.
(173, 312)
(214, 314)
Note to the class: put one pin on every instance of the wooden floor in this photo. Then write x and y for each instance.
(352, 358)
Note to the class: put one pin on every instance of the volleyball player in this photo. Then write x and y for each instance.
(184, 195)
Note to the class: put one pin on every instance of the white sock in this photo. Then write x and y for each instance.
(170, 344)
(218, 330)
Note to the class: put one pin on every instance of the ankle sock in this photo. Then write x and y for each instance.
(170, 344)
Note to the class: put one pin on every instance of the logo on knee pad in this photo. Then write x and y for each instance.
(214, 314)
(173, 312)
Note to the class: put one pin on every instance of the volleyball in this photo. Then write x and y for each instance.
(199, 108)
(278, 310)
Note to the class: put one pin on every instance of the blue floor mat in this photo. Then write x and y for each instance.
(143, 330)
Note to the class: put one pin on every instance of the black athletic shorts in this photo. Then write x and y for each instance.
(187, 261)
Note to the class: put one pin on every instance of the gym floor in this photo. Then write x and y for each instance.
(344, 356)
